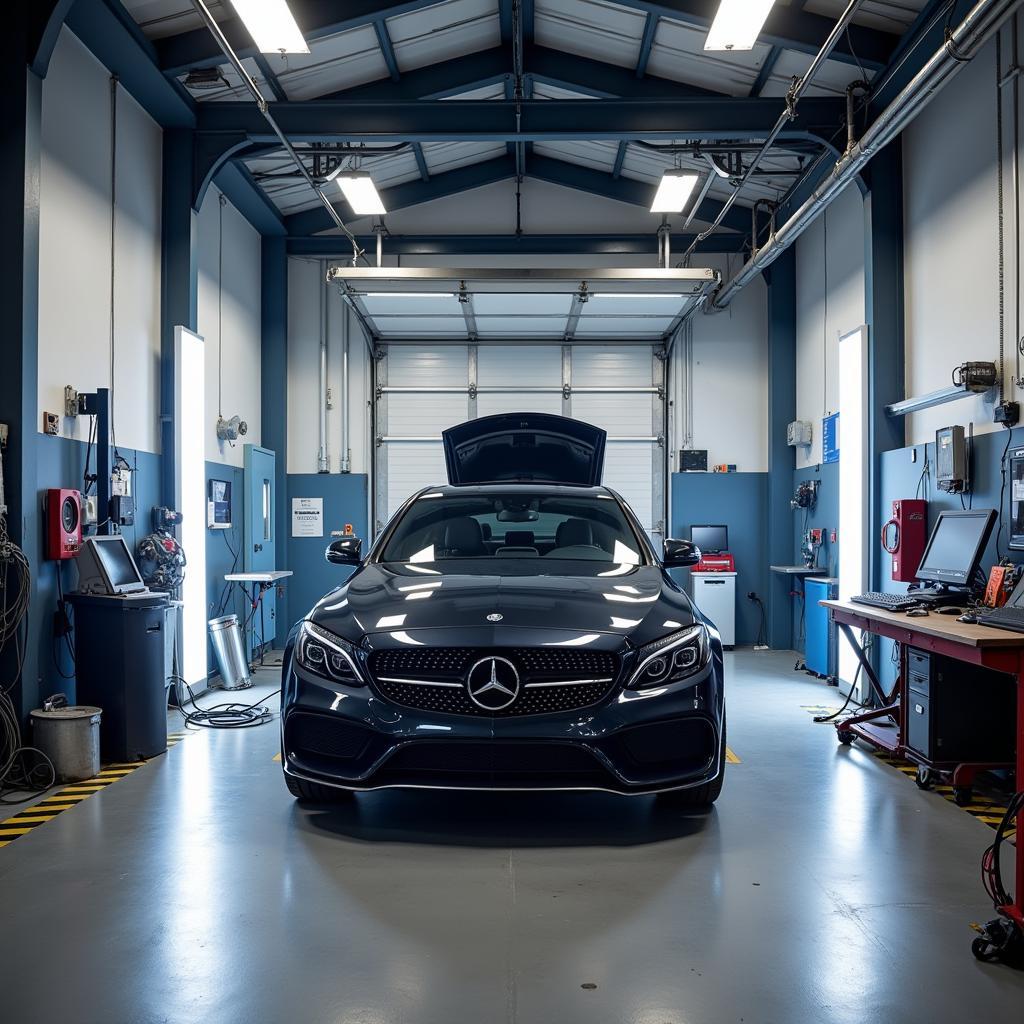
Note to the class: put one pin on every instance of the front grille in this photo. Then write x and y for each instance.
(496, 764)
(433, 678)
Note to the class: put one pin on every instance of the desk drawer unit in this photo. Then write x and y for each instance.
(957, 712)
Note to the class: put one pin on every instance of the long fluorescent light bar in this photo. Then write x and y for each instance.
(361, 193)
(411, 295)
(635, 295)
(673, 191)
(271, 25)
(737, 24)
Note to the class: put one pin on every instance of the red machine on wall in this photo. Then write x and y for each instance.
(905, 537)
(63, 523)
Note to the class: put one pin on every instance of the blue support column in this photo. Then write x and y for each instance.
(883, 311)
(274, 395)
(781, 280)
(19, 298)
(178, 283)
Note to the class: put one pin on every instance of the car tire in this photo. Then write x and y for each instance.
(698, 796)
(315, 793)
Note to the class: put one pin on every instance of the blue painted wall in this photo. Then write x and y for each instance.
(900, 477)
(739, 500)
(61, 463)
(345, 496)
(824, 516)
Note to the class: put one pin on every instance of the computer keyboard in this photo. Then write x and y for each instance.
(1003, 618)
(890, 602)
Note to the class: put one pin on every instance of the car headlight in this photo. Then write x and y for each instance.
(324, 654)
(672, 658)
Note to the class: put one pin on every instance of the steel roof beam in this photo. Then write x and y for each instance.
(503, 168)
(491, 67)
(328, 246)
(646, 44)
(703, 118)
(785, 27)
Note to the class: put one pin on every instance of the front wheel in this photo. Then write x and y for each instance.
(698, 796)
(315, 793)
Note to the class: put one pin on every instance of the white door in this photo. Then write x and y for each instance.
(423, 389)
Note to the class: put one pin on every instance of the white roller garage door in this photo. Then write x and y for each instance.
(422, 389)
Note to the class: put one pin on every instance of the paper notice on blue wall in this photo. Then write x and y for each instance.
(307, 517)
(830, 438)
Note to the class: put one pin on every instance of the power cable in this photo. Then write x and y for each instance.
(231, 715)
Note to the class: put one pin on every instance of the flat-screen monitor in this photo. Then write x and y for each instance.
(955, 546)
(710, 539)
(106, 566)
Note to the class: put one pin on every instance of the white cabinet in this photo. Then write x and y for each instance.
(714, 593)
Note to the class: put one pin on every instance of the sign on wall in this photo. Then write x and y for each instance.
(307, 517)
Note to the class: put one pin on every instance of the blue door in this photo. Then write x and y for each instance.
(259, 545)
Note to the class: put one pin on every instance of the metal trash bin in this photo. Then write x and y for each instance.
(232, 664)
(70, 738)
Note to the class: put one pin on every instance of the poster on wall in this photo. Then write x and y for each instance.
(830, 438)
(307, 517)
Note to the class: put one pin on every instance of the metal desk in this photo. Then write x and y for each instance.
(261, 583)
(996, 649)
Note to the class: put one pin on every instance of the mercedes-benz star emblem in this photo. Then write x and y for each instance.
(495, 617)
(493, 683)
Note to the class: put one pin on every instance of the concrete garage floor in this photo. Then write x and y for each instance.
(823, 888)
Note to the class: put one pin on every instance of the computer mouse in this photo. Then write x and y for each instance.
(951, 610)
(917, 611)
(968, 617)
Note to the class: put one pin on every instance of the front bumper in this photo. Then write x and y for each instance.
(635, 742)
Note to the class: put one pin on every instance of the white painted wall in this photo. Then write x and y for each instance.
(829, 304)
(229, 321)
(305, 282)
(951, 253)
(74, 248)
(730, 379)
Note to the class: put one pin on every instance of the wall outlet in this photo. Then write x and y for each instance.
(51, 423)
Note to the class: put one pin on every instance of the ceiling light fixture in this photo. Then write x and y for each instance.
(271, 25)
(737, 24)
(635, 295)
(361, 193)
(673, 191)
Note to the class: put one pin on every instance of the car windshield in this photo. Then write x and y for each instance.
(514, 525)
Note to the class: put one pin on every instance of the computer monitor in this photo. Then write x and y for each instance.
(955, 547)
(711, 540)
(106, 566)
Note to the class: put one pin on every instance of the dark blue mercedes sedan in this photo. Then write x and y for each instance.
(511, 630)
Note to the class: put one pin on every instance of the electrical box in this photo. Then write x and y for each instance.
(63, 523)
(905, 536)
(693, 460)
(951, 465)
(218, 505)
(798, 433)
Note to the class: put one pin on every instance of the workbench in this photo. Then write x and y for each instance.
(885, 726)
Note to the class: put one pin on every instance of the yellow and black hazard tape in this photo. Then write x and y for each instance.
(988, 807)
(69, 796)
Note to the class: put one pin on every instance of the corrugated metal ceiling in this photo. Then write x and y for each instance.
(595, 29)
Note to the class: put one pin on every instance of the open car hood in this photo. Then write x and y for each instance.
(531, 446)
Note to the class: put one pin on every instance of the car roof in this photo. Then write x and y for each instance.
(542, 489)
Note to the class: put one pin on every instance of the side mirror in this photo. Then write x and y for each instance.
(679, 553)
(345, 551)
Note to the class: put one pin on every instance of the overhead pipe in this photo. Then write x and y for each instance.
(264, 105)
(796, 91)
(323, 460)
(960, 46)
